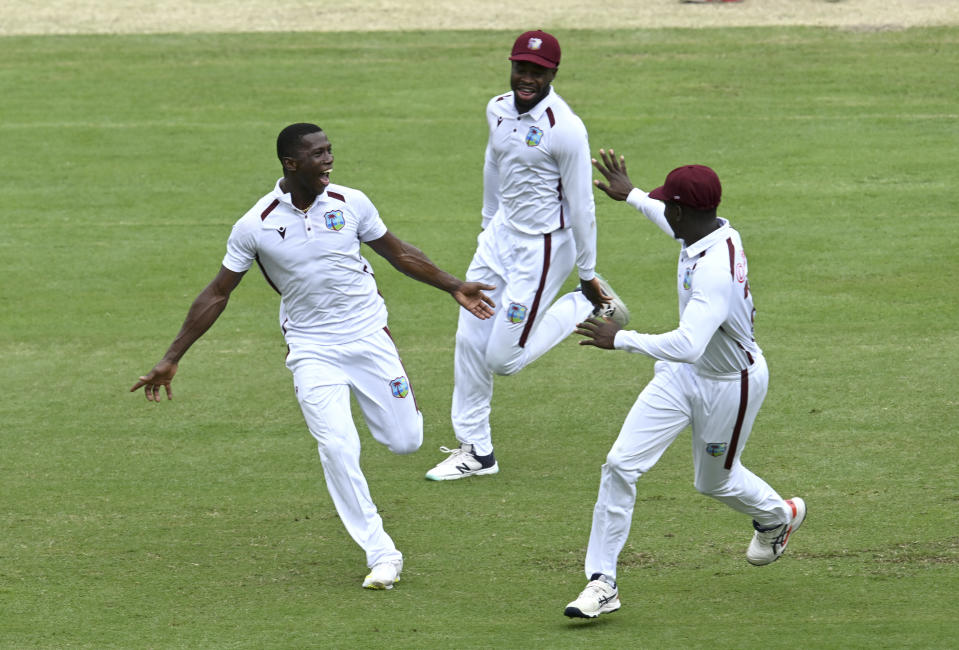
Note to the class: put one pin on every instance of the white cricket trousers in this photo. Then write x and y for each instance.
(721, 412)
(528, 272)
(323, 376)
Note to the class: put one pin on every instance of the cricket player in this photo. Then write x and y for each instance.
(305, 236)
(538, 223)
(710, 374)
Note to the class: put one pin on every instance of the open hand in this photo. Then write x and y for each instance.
(617, 185)
(599, 332)
(470, 295)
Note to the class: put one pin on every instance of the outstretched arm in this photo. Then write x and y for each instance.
(204, 311)
(411, 261)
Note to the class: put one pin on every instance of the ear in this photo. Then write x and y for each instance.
(289, 164)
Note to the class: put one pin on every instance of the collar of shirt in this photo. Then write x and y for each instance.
(287, 199)
(703, 244)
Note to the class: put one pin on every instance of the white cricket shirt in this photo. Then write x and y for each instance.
(537, 175)
(312, 259)
(716, 311)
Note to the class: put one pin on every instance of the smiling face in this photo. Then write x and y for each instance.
(530, 83)
(308, 167)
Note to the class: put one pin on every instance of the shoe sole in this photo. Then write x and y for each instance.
(379, 586)
(608, 290)
(576, 612)
(486, 471)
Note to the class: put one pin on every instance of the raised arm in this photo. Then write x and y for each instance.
(411, 261)
(204, 311)
(619, 187)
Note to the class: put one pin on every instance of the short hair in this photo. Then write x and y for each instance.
(289, 138)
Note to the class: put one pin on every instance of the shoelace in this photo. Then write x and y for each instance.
(455, 452)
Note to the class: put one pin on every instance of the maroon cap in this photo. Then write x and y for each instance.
(537, 47)
(694, 185)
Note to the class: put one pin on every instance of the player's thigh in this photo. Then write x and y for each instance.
(486, 265)
(535, 275)
(537, 268)
(657, 417)
(723, 422)
(385, 394)
(326, 409)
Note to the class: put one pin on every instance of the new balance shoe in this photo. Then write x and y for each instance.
(384, 575)
(615, 310)
(768, 544)
(599, 597)
(462, 462)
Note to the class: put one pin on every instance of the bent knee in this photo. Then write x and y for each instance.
(505, 369)
(405, 446)
(410, 441)
(505, 364)
(615, 466)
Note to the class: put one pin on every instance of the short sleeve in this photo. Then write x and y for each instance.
(369, 224)
(240, 248)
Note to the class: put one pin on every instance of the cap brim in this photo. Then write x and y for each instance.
(660, 194)
(532, 58)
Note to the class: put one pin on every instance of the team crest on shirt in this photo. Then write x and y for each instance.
(516, 312)
(715, 448)
(334, 219)
(533, 136)
(688, 277)
(400, 387)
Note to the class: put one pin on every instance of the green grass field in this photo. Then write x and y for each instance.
(204, 522)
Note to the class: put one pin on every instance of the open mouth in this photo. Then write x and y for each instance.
(526, 94)
(325, 176)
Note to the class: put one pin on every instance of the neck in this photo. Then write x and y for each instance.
(699, 230)
(302, 198)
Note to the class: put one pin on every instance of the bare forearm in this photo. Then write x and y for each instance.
(414, 263)
(202, 314)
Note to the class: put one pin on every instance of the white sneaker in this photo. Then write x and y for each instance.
(460, 463)
(615, 310)
(384, 575)
(768, 545)
(599, 597)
